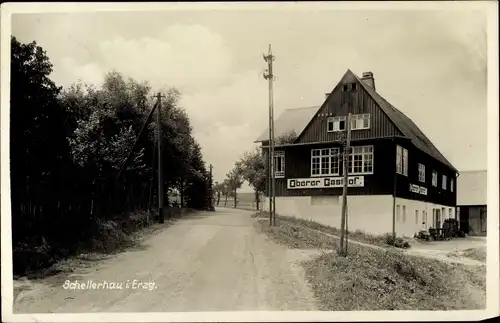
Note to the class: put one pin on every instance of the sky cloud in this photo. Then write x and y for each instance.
(425, 63)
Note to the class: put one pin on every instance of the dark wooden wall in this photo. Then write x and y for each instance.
(434, 194)
(342, 103)
(381, 182)
(298, 165)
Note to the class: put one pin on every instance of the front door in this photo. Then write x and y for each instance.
(437, 218)
(482, 220)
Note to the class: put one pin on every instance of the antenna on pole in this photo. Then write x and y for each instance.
(269, 75)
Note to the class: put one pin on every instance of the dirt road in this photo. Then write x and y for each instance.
(212, 261)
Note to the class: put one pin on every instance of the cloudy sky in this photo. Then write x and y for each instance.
(429, 64)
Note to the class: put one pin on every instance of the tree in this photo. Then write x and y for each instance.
(39, 153)
(198, 191)
(68, 147)
(226, 191)
(234, 182)
(252, 168)
(106, 124)
(218, 189)
(286, 138)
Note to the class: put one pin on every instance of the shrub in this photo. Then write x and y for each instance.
(397, 242)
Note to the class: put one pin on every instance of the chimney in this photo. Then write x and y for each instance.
(326, 95)
(368, 79)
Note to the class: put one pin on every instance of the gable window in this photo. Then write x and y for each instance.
(421, 173)
(361, 160)
(401, 160)
(279, 164)
(434, 178)
(451, 184)
(336, 124)
(360, 121)
(325, 161)
(347, 87)
(443, 183)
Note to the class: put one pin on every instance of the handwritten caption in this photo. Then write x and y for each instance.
(109, 285)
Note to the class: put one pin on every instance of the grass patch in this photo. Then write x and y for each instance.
(295, 236)
(374, 279)
(358, 235)
(378, 279)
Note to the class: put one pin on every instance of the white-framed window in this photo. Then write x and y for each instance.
(416, 216)
(451, 184)
(336, 124)
(404, 213)
(325, 161)
(401, 160)
(434, 178)
(361, 160)
(398, 213)
(405, 162)
(443, 183)
(450, 213)
(421, 173)
(360, 121)
(279, 164)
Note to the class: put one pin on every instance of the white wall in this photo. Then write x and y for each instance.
(408, 225)
(371, 214)
(368, 213)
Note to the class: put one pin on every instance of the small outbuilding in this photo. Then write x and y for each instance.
(471, 202)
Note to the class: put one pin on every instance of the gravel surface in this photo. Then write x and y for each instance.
(211, 261)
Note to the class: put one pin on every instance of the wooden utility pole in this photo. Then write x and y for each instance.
(346, 180)
(211, 191)
(268, 75)
(394, 186)
(161, 183)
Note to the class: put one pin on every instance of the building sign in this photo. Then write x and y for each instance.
(324, 182)
(418, 189)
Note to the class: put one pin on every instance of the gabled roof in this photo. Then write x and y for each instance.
(407, 127)
(290, 120)
(297, 120)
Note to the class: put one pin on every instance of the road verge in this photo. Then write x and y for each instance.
(379, 278)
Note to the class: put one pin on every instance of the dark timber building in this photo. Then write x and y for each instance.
(396, 175)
